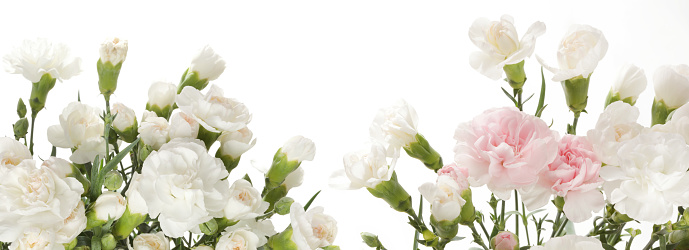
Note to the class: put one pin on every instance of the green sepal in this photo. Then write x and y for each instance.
(191, 79)
(279, 170)
(393, 193)
(21, 108)
(576, 93)
(108, 242)
(229, 162)
(20, 128)
(209, 227)
(420, 149)
(160, 112)
(613, 97)
(468, 213)
(126, 224)
(660, 112)
(445, 228)
(129, 134)
(207, 136)
(275, 195)
(282, 241)
(331, 247)
(39, 92)
(516, 76)
(107, 77)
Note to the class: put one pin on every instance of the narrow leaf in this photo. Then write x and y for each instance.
(308, 204)
(541, 99)
(509, 96)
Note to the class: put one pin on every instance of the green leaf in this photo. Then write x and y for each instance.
(308, 204)
(541, 99)
(509, 96)
(527, 99)
(98, 176)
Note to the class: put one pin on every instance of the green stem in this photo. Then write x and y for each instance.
(106, 133)
(526, 225)
(416, 233)
(477, 237)
(33, 120)
(501, 227)
(653, 239)
(516, 202)
(573, 128)
(480, 223)
(616, 236)
(562, 227)
(557, 224)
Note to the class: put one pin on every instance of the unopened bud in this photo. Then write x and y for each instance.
(282, 207)
(21, 108)
(21, 128)
(113, 180)
(108, 242)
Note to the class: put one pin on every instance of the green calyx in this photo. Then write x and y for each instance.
(191, 79)
(613, 97)
(160, 112)
(468, 213)
(126, 224)
(279, 170)
(129, 134)
(660, 112)
(420, 149)
(39, 92)
(208, 137)
(107, 77)
(393, 193)
(576, 93)
(282, 241)
(516, 76)
(229, 161)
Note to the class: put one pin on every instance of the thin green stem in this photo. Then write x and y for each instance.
(557, 223)
(416, 233)
(502, 217)
(562, 227)
(516, 204)
(33, 121)
(480, 223)
(653, 239)
(616, 236)
(574, 125)
(106, 133)
(477, 237)
(526, 225)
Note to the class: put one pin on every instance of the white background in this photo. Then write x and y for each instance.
(323, 68)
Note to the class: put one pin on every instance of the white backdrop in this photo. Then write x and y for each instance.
(323, 68)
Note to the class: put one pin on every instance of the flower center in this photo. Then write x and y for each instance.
(238, 243)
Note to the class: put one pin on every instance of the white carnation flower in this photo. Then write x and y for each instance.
(571, 242)
(125, 118)
(207, 64)
(244, 202)
(236, 143)
(365, 168)
(650, 180)
(671, 85)
(154, 131)
(213, 111)
(40, 56)
(37, 238)
(395, 125)
(500, 44)
(299, 148)
(312, 229)
(445, 197)
(579, 53)
(238, 239)
(630, 82)
(615, 125)
(12, 152)
(151, 241)
(113, 50)
(82, 129)
(40, 198)
(162, 94)
(183, 186)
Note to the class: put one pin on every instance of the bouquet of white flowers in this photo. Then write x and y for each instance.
(148, 183)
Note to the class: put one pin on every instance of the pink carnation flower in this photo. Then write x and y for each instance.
(505, 149)
(458, 174)
(574, 176)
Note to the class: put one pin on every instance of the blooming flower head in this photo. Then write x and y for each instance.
(39, 198)
(505, 149)
(572, 175)
(12, 152)
(245, 202)
(445, 198)
(183, 125)
(213, 111)
(312, 229)
(500, 44)
(41, 56)
(154, 131)
(236, 143)
(113, 50)
(571, 242)
(671, 85)
(615, 125)
(650, 180)
(365, 168)
(161, 94)
(80, 128)
(579, 53)
(151, 241)
(183, 186)
(395, 125)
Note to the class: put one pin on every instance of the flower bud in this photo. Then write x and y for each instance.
(671, 85)
(371, 240)
(445, 228)
(108, 242)
(112, 54)
(576, 94)
(631, 81)
(124, 124)
(205, 66)
(109, 205)
(283, 205)
(113, 180)
(421, 150)
(144, 151)
(209, 227)
(21, 108)
(161, 97)
(21, 128)
(288, 158)
(504, 241)
(516, 76)
(393, 193)
(233, 145)
(39, 92)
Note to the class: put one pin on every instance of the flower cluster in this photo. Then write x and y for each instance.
(176, 190)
